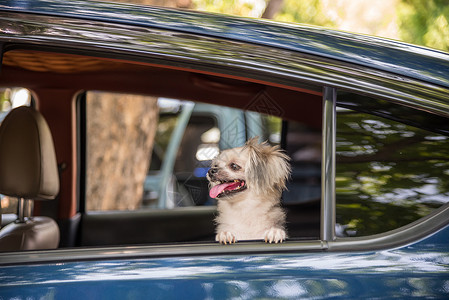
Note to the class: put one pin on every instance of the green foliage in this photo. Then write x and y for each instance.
(425, 22)
(4, 97)
(305, 11)
(5, 100)
(232, 7)
(418, 22)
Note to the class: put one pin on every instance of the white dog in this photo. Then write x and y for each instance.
(248, 182)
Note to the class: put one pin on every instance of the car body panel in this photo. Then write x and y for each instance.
(417, 270)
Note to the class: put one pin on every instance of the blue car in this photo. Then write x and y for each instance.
(103, 164)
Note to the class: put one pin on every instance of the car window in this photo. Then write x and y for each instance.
(388, 173)
(11, 98)
(172, 149)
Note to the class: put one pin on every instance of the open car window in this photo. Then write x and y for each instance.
(148, 154)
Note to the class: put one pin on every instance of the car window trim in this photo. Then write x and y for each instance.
(329, 131)
(402, 236)
(156, 251)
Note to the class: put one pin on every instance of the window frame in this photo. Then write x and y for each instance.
(297, 69)
(329, 131)
(328, 242)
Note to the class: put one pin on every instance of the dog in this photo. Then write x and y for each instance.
(248, 182)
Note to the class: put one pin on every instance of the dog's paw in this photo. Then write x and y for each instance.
(275, 235)
(225, 237)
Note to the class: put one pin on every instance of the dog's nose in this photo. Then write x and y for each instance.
(212, 171)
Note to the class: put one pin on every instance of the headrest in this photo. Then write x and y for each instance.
(28, 167)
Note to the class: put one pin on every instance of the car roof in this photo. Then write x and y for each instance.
(408, 60)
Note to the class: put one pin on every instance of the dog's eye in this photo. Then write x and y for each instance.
(234, 166)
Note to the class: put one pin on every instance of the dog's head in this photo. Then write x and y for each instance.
(256, 168)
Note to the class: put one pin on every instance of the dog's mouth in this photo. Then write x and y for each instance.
(225, 188)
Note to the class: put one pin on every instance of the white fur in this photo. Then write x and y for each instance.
(255, 213)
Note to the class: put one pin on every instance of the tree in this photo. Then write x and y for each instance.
(272, 8)
(425, 22)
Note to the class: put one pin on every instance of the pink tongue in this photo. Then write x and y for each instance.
(216, 190)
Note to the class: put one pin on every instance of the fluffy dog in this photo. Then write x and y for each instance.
(248, 182)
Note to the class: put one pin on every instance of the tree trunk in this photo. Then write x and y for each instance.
(272, 8)
(120, 134)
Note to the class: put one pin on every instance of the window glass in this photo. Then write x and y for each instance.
(388, 174)
(11, 98)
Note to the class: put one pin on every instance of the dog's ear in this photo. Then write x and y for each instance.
(267, 168)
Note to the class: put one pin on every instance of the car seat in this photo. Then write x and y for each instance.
(28, 171)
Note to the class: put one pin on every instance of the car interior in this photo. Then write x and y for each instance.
(58, 84)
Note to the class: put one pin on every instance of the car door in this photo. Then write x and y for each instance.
(374, 125)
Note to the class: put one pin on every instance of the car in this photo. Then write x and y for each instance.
(102, 169)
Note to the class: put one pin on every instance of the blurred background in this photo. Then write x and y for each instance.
(421, 22)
